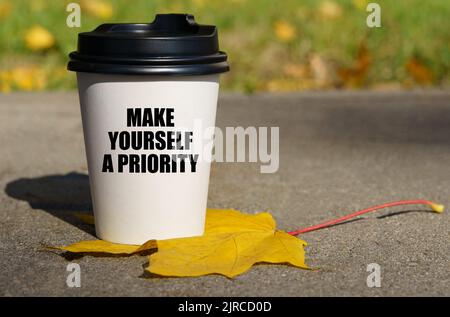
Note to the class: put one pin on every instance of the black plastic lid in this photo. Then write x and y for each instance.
(173, 44)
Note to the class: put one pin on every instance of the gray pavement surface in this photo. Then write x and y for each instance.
(339, 152)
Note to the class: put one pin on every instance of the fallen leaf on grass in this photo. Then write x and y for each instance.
(5, 81)
(356, 75)
(321, 71)
(39, 38)
(297, 71)
(285, 31)
(28, 77)
(419, 71)
(232, 243)
(329, 10)
(5, 8)
(98, 8)
(360, 4)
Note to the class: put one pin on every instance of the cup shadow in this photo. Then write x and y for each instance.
(59, 195)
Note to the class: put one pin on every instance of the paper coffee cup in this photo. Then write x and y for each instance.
(143, 88)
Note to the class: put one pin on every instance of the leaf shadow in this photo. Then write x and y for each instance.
(147, 275)
(390, 214)
(71, 256)
(403, 212)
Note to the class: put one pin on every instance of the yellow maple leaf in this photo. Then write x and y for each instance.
(38, 38)
(284, 31)
(97, 8)
(232, 243)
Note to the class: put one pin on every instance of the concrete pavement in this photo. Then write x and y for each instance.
(339, 152)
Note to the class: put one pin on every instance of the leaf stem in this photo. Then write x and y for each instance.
(436, 207)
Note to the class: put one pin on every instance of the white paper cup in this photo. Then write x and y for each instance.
(133, 207)
(142, 87)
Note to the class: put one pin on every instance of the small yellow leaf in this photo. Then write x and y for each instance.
(321, 70)
(199, 3)
(29, 77)
(360, 4)
(233, 242)
(5, 8)
(97, 8)
(296, 71)
(356, 75)
(5, 81)
(100, 246)
(22, 78)
(284, 31)
(38, 38)
(38, 5)
(330, 10)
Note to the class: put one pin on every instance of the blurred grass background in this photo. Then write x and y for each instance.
(273, 45)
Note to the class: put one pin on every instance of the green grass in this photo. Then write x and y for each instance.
(410, 29)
